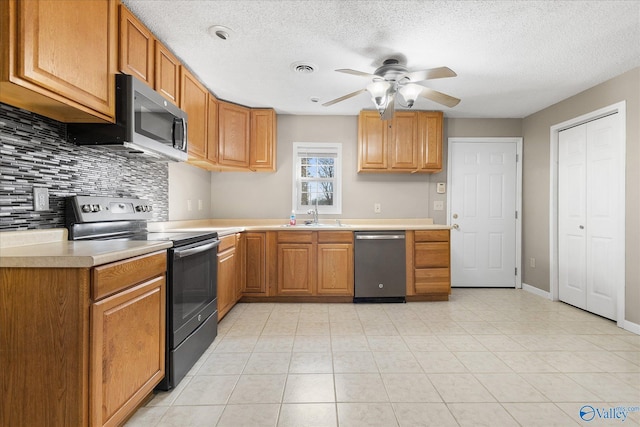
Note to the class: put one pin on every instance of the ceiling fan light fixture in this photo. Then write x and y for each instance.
(379, 91)
(410, 93)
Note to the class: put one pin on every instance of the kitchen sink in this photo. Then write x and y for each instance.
(317, 225)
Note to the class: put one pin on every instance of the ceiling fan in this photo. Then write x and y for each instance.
(391, 79)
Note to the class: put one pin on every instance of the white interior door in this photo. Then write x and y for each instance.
(482, 208)
(589, 216)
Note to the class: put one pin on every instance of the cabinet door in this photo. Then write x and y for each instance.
(127, 350)
(255, 264)
(262, 153)
(212, 129)
(62, 55)
(430, 140)
(227, 277)
(335, 269)
(372, 142)
(403, 142)
(233, 140)
(167, 78)
(136, 44)
(194, 100)
(296, 269)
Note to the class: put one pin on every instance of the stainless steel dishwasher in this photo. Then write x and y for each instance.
(380, 266)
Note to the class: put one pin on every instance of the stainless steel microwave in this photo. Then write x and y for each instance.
(147, 125)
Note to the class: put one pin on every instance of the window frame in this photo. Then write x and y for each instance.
(330, 148)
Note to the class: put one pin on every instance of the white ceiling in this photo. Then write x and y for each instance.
(512, 58)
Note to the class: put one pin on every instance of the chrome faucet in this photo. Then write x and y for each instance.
(314, 212)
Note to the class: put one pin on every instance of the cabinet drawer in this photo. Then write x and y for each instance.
(432, 254)
(227, 242)
(295, 236)
(432, 235)
(432, 281)
(335, 237)
(111, 278)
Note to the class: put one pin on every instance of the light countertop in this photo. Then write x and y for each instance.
(230, 226)
(50, 249)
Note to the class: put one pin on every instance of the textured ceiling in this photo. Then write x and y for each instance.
(512, 58)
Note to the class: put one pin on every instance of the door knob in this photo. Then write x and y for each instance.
(455, 226)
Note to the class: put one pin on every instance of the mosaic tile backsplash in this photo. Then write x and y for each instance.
(34, 153)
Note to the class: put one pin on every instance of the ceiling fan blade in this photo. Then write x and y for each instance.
(342, 98)
(432, 73)
(439, 97)
(391, 106)
(357, 73)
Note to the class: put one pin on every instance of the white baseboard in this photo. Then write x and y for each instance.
(536, 291)
(631, 327)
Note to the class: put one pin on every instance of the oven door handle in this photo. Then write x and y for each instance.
(187, 252)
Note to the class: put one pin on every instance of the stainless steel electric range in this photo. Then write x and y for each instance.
(192, 314)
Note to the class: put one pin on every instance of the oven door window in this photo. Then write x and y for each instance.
(192, 289)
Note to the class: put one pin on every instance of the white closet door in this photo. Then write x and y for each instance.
(603, 217)
(572, 176)
(589, 216)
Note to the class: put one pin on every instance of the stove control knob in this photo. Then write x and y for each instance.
(86, 208)
(95, 208)
(149, 208)
(139, 208)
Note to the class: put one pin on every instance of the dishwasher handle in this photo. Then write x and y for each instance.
(380, 237)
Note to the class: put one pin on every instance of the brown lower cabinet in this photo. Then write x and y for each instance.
(228, 274)
(81, 346)
(428, 264)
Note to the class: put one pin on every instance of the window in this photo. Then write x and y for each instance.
(317, 177)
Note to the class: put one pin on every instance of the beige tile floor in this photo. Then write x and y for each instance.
(493, 357)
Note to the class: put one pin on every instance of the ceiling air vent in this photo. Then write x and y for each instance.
(303, 67)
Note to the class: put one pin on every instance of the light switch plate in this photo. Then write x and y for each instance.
(438, 205)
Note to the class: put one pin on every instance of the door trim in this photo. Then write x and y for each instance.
(621, 109)
(518, 142)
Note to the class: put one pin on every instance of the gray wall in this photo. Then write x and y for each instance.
(536, 177)
(189, 185)
(268, 195)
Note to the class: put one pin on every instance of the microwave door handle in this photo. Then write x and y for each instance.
(184, 133)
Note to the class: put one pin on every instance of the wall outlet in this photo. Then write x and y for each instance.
(40, 199)
(532, 262)
(438, 205)
(377, 208)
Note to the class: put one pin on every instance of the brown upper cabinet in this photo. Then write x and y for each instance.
(167, 77)
(146, 58)
(58, 59)
(234, 127)
(194, 101)
(410, 142)
(262, 147)
(136, 48)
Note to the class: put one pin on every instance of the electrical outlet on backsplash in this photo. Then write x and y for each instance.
(35, 154)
